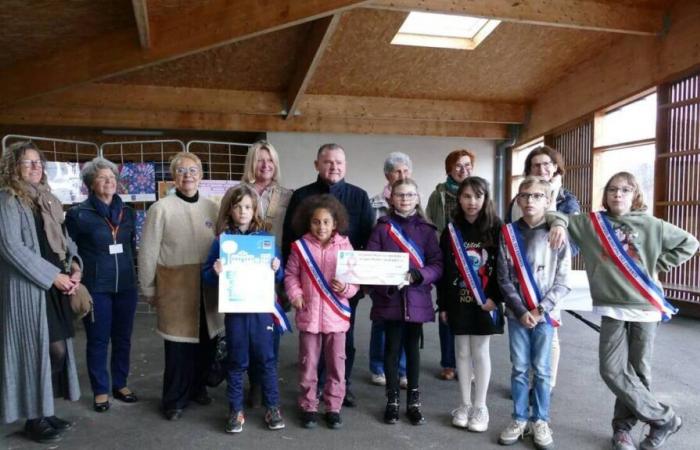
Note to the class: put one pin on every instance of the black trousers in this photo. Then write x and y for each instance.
(396, 333)
(186, 368)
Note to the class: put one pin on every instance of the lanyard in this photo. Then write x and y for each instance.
(114, 229)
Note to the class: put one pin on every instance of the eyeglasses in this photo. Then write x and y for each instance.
(193, 170)
(614, 190)
(461, 167)
(35, 163)
(526, 196)
(408, 195)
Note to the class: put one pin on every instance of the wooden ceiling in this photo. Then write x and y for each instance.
(297, 65)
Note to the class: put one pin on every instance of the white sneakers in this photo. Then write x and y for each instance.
(379, 379)
(460, 416)
(479, 420)
(517, 429)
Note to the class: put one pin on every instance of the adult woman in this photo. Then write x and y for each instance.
(177, 235)
(262, 172)
(441, 204)
(548, 164)
(40, 268)
(103, 228)
(397, 166)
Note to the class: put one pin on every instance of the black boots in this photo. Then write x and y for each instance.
(41, 431)
(391, 413)
(413, 407)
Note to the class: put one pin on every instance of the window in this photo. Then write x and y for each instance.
(443, 30)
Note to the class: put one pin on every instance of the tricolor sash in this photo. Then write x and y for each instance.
(528, 287)
(319, 282)
(405, 243)
(280, 318)
(629, 268)
(466, 270)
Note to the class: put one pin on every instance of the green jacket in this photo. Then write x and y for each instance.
(655, 245)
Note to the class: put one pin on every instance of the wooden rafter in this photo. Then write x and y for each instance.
(185, 120)
(316, 43)
(580, 14)
(141, 16)
(211, 25)
(164, 98)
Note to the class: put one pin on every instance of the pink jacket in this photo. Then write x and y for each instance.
(316, 316)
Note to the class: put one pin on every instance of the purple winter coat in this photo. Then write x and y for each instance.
(412, 303)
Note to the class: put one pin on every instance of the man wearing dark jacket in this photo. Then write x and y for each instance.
(330, 165)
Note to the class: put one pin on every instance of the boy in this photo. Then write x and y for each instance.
(533, 278)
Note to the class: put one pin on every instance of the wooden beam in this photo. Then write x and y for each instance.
(187, 120)
(165, 98)
(581, 14)
(626, 68)
(316, 43)
(141, 16)
(213, 24)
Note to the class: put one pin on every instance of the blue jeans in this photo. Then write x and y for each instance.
(114, 321)
(376, 351)
(530, 347)
(447, 346)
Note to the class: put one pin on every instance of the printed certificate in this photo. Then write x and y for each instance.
(247, 282)
(377, 268)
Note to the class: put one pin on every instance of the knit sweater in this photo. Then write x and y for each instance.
(655, 245)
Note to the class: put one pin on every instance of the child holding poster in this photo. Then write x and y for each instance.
(624, 249)
(470, 299)
(321, 303)
(249, 336)
(404, 308)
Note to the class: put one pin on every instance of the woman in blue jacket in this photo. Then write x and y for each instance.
(104, 230)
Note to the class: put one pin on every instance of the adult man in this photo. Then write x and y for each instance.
(330, 165)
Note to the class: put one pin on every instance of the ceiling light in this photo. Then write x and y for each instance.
(444, 30)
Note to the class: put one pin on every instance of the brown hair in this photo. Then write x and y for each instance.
(10, 173)
(232, 197)
(488, 217)
(302, 218)
(408, 182)
(554, 155)
(454, 156)
(638, 199)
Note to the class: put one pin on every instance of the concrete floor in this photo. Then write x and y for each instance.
(581, 406)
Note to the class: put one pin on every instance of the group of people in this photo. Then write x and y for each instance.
(489, 275)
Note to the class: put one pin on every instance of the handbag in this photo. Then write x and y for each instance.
(81, 302)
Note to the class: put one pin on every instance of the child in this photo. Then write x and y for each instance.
(624, 249)
(405, 308)
(249, 336)
(321, 303)
(470, 297)
(533, 278)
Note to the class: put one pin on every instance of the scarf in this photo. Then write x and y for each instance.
(386, 193)
(109, 212)
(52, 213)
(451, 185)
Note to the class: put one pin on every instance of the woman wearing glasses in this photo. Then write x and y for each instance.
(546, 163)
(459, 165)
(176, 238)
(40, 269)
(104, 230)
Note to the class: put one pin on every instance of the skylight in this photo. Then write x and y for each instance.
(443, 30)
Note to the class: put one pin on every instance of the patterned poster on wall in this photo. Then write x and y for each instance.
(64, 180)
(140, 220)
(137, 182)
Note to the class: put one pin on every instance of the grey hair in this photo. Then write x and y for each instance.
(90, 169)
(329, 147)
(394, 159)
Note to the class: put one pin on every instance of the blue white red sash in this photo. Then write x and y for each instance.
(405, 243)
(280, 318)
(319, 282)
(471, 279)
(629, 268)
(528, 287)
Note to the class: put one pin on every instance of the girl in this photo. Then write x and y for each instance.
(624, 249)
(321, 301)
(405, 308)
(469, 295)
(248, 335)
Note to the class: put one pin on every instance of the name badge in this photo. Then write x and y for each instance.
(116, 249)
